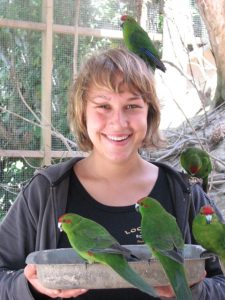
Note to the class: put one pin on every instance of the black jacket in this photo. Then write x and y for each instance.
(31, 225)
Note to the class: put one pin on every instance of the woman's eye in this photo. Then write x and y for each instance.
(132, 106)
(103, 106)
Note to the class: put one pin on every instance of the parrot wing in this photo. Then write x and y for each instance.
(98, 239)
(140, 40)
(206, 162)
(167, 240)
(166, 247)
(95, 235)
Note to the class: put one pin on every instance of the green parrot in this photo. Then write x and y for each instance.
(95, 244)
(196, 162)
(162, 235)
(137, 41)
(209, 232)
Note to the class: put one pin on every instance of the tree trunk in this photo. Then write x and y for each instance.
(213, 15)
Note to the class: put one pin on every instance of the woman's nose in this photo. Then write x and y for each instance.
(119, 118)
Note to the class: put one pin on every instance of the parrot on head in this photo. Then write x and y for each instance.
(161, 233)
(95, 244)
(137, 41)
(196, 162)
(209, 232)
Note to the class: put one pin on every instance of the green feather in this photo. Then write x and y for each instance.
(137, 41)
(209, 232)
(163, 236)
(95, 244)
(196, 162)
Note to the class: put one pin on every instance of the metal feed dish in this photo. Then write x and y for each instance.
(64, 269)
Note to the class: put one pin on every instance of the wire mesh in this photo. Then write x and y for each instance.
(25, 10)
(21, 72)
(91, 13)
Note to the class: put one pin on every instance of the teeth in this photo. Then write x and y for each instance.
(118, 138)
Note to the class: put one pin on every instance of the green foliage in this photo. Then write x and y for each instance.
(20, 70)
(29, 10)
(14, 173)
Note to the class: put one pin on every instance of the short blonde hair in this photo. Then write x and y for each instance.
(100, 71)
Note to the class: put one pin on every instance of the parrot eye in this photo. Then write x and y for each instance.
(67, 221)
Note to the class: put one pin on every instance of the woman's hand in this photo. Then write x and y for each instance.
(31, 275)
(165, 291)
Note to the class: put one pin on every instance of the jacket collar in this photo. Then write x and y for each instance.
(56, 173)
(181, 177)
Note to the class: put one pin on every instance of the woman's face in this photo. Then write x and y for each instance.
(116, 122)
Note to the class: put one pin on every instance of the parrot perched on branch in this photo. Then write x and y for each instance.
(137, 41)
(162, 235)
(196, 162)
(95, 244)
(209, 232)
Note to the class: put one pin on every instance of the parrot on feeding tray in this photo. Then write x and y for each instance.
(209, 232)
(95, 244)
(161, 233)
(196, 162)
(137, 41)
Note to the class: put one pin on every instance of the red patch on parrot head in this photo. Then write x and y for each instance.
(140, 200)
(123, 18)
(207, 210)
(194, 169)
(64, 219)
(142, 203)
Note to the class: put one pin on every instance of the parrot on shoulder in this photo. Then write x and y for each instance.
(209, 232)
(137, 41)
(196, 162)
(95, 244)
(161, 233)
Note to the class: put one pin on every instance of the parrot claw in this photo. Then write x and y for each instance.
(149, 261)
(86, 264)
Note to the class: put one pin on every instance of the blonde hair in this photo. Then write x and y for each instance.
(101, 70)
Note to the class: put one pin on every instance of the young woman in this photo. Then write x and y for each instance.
(113, 112)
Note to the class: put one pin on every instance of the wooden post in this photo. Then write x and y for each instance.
(47, 18)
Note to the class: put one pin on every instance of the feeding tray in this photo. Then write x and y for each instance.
(64, 269)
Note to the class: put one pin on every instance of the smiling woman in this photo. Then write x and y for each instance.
(116, 71)
(113, 111)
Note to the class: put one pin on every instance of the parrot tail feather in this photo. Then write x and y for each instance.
(159, 64)
(179, 282)
(127, 273)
